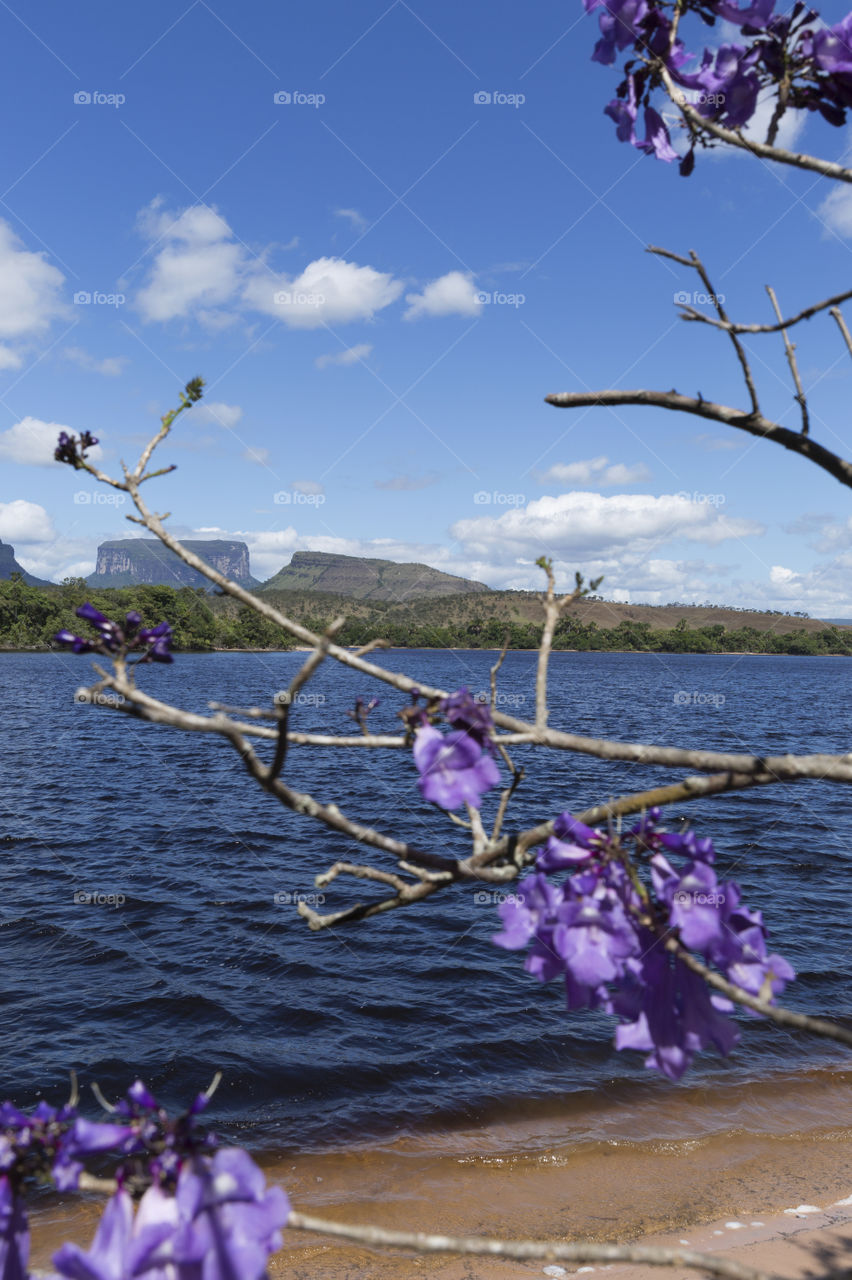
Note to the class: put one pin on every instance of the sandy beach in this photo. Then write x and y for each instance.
(760, 1172)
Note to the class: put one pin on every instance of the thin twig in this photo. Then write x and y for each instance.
(754, 424)
(794, 368)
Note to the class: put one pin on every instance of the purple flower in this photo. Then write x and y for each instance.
(832, 47)
(728, 90)
(114, 638)
(14, 1234)
(85, 1138)
(453, 769)
(754, 15)
(159, 638)
(619, 25)
(221, 1224)
(469, 714)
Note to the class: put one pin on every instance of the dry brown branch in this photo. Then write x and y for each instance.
(794, 368)
(527, 1250)
(695, 262)
(758, 328)
(841, 324)
(699, 125)
(754, 423)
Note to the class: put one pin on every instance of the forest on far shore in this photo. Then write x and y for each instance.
(31, 616)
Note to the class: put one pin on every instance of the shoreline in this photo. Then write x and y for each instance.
(747, 1168)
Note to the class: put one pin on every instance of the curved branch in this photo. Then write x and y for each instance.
(525, 1250)
(799, 160)
(754, 423)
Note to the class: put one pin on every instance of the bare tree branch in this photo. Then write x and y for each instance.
(527, 1250)
(754, 423)
(794, 368)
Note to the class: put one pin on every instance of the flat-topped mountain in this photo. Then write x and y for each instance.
(9, 565)
(364, 578)
(125, 562)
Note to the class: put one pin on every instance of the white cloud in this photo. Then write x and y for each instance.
(307, 486)
(579, 526)
(225, 415)
(33, 442)
(29, 289)
(10, 359)
(328, 291)
(22, 521)
(597, 471)
(836, 211)
(110, 366)
(452, 294)
(358, 221)
(352, 355)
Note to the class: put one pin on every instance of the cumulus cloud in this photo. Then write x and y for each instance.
(836, 211)
(452, 294)
(32, 442)
(30, 298)
(110, 366)
(224, 415)
(307, 486)
(10, 359)
(596, 471)
(328, 291)
(199, 265)
(352, 355)
(581, 525)
(27, 522)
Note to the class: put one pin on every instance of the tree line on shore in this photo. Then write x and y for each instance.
(31, 616)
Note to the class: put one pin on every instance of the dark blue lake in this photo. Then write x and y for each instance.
(410, 1019)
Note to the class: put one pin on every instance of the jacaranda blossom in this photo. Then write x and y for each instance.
(453, 768)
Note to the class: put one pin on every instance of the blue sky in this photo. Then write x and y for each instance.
(381, 278)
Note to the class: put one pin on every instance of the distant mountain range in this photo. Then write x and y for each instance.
(413, 593)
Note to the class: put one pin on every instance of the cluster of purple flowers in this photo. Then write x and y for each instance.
(114, 637)
(605, 930)
(206, 1215)
(73, 451)
(813, 62)
(456, 767)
